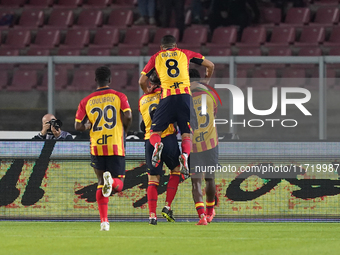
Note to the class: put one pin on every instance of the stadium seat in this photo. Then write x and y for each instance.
(23, 80)
(3, 79)
(219, 51)
(293, 77)
(40, 3)
(194, 37)
(124, 3)
(307, 52)
(263, 79)
(297, 17)
(252, 36)
(248, 52)
(17, 38)
(311, 36)
(326, 2)
(133, 85)
(162, 32)
(14, 3)
(326, 16)
(223, 36)
(135, 37)
(8, 52)
(76, 39)
(35, 52)
(313, 82)
(46, 39)
(83, 80)
(334, 39)
(90, 18)
(120, 18)
(69, 3)
(98, 52)
(31, 18)
(241, 78)
(105, 38)
(68, 52)
(277, 51)
(281, 36)
(60, 82)
(60, 18)
(6, 18)
(97, 3)
(128, 52)
(270, 16)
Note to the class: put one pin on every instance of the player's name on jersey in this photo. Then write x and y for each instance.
(150, 99)
(169, 54)
(101, 100)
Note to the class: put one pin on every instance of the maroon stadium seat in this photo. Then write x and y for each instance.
(311, 36)
(252, 36)
(307, 52)
(99, 52)
(90, 18)
(37, 52)
(120, 18)
(83, 80)
(60, 82)
(270, 16)
(135, 37)
(8, 52)
(68, 52)
(219, 51)
(3, 78)
(194, 37)
(76, 39)
(248, 51)
(127, 52)
(23, 80)
(297, 17)
(277, 51)
(46, 39)
(14, 3)
(281, 36)
(69, 3)
(223, 36)
(60, 18)
(241, 78)
(313, 82)
(125, 3)
(154, 46)
(97, 3)
(40, 3)
(264, 79)
(293, 77)
(105, 38)
(326, 16)
(17, 38)
(32, 18)
(334, 39)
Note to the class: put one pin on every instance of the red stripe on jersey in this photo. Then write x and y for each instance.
(168, 92)
(95, 150)
(194, 147)
(204, 146)
(186, 90)
(105, 151)
(178, 91)
(115, 149)
(212, 142)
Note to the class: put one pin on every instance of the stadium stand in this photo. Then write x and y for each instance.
(281, 36)
(13, 3)
(311, 36)
(76, 38)
(60, 18)
(69, 3)
(98, 52)
(135, 37)
(97, 3)
(268, 79)
(334, 39)
(326, 16)
(31, 18)
(23, 80)
(40, 3)
(61, 78)
(3, 79)
(46, 39)
(120, 18)
(252, 36)
(297, 17)
(194, 37)
(293, 77)
(83, 80)
(154, 45)
(223, 37)
(17, 39)
(90, 18)
(105, 38)
(270, 16)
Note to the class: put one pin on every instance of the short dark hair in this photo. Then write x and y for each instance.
(194, 74)
(168, 41)
(103, 75)
(154, 79)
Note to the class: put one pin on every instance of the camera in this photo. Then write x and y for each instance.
(56, 124)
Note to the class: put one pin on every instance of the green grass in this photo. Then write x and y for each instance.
(167, 238)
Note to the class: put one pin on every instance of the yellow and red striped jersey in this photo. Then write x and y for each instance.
(103, 109)
(172, 67)
(205, 137)
(147, 103)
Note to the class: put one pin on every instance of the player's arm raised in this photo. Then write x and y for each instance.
(209, 68)
(143, 83)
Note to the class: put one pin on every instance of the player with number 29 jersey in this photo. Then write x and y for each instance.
(103, 108)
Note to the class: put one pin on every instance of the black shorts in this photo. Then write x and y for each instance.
(170, 155)
(200, 162)
(114, 164)
(175, 108)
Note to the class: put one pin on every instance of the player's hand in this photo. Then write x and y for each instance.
(88, 125)
(45, 127)
(55, 132)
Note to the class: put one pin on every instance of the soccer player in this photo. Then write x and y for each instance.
(147, 106)
(171, 64)
(204, 152)
(107, 114)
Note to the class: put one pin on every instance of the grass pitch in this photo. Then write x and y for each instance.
(169, 238)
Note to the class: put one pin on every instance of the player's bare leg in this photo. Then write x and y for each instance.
(155, 140)
(183, 158)
(198, 199)
(152, 194)
(210, 191)
(171, 191)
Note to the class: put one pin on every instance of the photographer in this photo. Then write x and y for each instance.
(51, 129)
